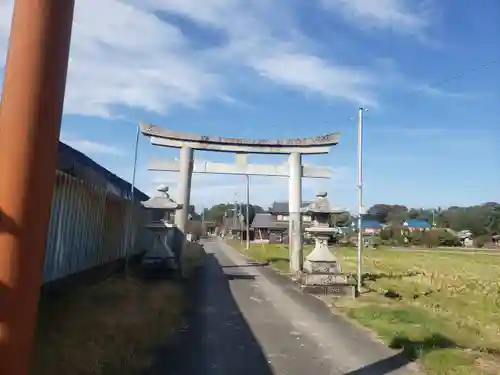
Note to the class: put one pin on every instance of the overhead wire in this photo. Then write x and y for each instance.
(439, 83)
(463, 73)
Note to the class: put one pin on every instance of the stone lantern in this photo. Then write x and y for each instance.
(162, 203)
(163, 254)
(321, 272)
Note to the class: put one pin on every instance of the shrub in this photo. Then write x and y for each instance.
(482, 240)
(430, 238)
(385, 235)
(415, 237)
(376, 241)
(394, 233)
(344, 241)
(446, 238)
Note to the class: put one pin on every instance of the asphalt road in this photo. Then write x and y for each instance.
(244, 319)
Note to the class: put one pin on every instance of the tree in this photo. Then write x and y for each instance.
(216, 213)
(481, 219)
(343, 219)
(386, 213)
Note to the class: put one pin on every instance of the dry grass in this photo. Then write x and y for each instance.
(111, 327)
(194, 256)
(442, 308)
(108, 328)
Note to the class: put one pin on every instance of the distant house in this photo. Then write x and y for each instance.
(495, 238)
(265, 228)
(192, 214)
(369, 226)
(210, 227)
(273, 225)
(466, 237)
(416, 224)
(235, 225)
(280, 213)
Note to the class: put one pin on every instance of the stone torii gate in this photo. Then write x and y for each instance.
(294, 170)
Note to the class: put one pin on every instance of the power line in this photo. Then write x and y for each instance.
(455, 77)
(463, 73)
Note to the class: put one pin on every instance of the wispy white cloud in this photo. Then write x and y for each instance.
(275, 49)
(5, 17)
(395, 79)
(313, 74)
(131, 53)
(91, 147)
(437, 92)
(123, 55)
(134, 53)
(402, 16)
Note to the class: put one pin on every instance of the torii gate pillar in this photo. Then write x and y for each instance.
(184, 190)
(30, 120)
(295, 217)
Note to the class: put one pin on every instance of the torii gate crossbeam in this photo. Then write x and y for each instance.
(208, 167)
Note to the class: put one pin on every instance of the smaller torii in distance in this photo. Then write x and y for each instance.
(293, 169)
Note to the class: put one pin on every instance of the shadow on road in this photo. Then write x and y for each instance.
(216, 338)
(383, 367)
(251, 264)
(411, 351)
(239, 277)
(278, 259)
(374, 276)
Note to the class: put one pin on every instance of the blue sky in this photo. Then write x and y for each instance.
(269, 69)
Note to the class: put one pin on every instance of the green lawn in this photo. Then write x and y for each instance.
(442, 308)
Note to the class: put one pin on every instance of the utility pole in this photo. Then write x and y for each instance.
(203, 221)
(240, 218)
(360, 196)
(247, 213)
(30, 122)
(237, 221)
(130, 235)
(235, 212)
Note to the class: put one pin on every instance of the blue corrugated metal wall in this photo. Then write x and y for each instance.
(88, 228)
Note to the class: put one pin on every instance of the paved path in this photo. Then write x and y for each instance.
(245, 319)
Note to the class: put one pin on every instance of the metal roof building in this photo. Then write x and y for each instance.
(78, 165)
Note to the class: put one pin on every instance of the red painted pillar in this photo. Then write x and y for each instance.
(30, 118)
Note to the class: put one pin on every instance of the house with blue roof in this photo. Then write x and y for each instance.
(369, 226)
(417, 224)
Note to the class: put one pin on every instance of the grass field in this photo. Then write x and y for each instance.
(440, 308)
(111, 327)
(276, 255)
